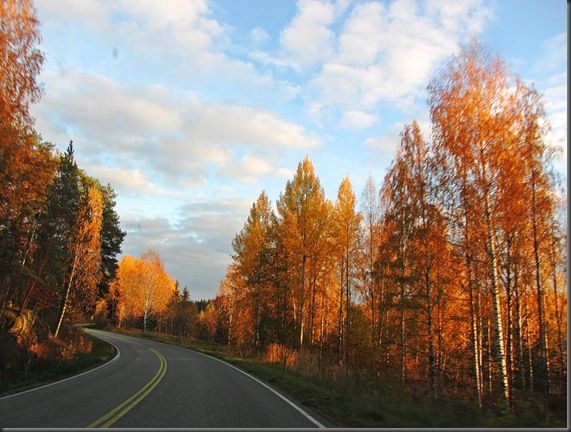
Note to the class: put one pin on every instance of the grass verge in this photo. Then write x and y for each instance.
(344, 402)
(44, 371)
(350, 404)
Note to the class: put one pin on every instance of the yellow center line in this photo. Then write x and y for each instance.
(118, 412)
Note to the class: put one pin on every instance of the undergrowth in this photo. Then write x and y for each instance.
(52, 360)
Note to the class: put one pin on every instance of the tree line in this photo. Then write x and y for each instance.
(59, 231)
(143, 296)
(448, 280)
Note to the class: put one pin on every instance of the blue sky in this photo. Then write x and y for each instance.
(191, 108)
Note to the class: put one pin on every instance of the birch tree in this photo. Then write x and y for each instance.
(372, 287)
(488, 126)
(142, 286)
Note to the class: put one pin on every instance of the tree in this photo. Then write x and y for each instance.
(470, 110)
(142, 286)
(490, 128)
(347, 237)
(20, 62)
(111, 238)
(252, 248)
(303, 227)
(26, 163)
(56, 224)
(26, 169)
(180, 317)
(398, 223)
(185, 295)
(234, 313)
(84, 268)
(371, 212)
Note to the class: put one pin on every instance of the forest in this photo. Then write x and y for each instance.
(59, 231)
(446, 281)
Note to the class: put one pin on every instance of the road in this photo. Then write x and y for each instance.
(154, 385)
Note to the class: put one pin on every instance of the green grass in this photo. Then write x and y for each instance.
(43, 371)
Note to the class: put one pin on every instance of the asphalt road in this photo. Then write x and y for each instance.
(155, 385)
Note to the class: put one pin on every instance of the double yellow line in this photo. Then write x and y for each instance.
(118, 412)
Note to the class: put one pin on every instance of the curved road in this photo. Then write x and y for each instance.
(155, 385)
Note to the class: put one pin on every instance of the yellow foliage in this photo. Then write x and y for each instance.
(277, 353)
(142, 287)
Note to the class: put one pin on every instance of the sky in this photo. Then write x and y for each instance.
(190, 108)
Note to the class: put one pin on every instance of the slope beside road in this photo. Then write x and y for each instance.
(154, 385)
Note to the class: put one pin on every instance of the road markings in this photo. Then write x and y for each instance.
(118, 412)
(285, 399)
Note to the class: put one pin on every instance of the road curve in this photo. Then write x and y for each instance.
(154, 385)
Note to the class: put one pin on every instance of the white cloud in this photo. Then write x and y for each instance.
(377, 56)
(194, 247)
(175, 139)
(389, 142)
(354, 119)
(249, 169)
(308, 40)
(555, 97)
(181, 26)
(259, 35)
(238, 124)
(92, 12)
(555, 53)
(383, 143)
(468, 16)
(130, 182)
(361, 40)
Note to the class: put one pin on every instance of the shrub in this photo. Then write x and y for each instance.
(277, 353)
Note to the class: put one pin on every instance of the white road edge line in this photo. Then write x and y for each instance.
(301, 411)
(304, 413)
(69, 378)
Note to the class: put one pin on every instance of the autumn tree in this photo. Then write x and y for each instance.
(142, 287)
(372, 287)
(180, 317)
(395, 260)
(21, 61)
(56, 224)
(26, 163)
(234, 317)
(252, 255)
(490, 128)
(25, 174)
(84, 265)
(347, 222)
(450, 281)
(303, 227)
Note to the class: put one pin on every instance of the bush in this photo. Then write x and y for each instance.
(277, 353)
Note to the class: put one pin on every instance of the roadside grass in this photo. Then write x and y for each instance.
(363, 405)
(41, 371)
(342, 400)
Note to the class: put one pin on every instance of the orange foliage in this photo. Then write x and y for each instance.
(142, 288)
